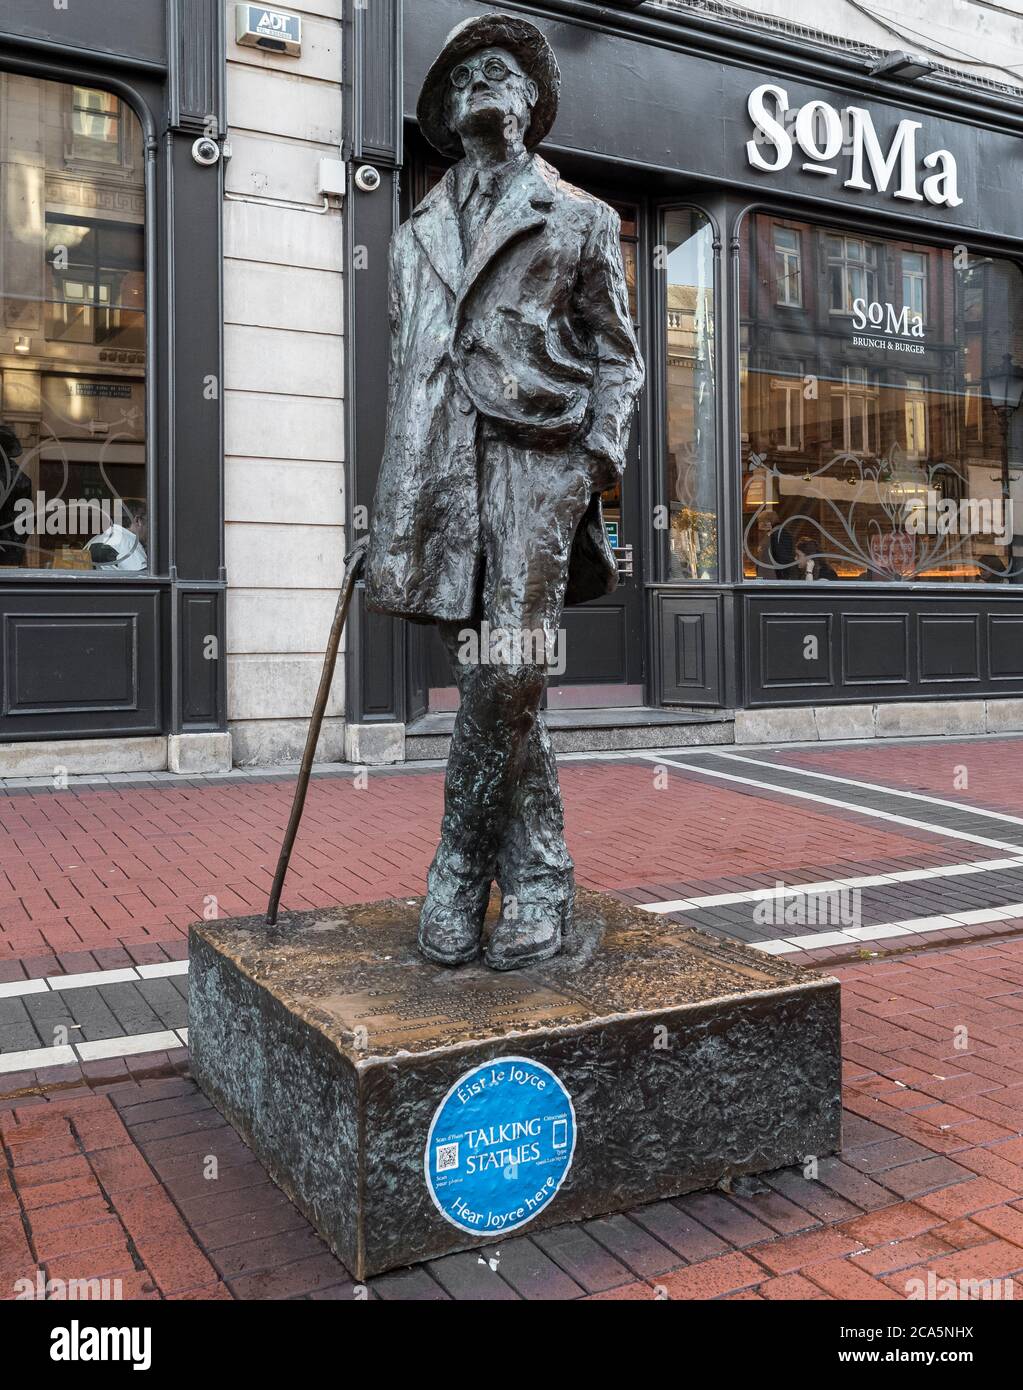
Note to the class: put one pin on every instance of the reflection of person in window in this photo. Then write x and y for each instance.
(811, 565)
(775, 551)
(757, 454)
(121, 548)
(992, 569)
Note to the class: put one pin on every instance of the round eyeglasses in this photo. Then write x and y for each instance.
(496, 69)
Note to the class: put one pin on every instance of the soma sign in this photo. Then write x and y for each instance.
(824, 136)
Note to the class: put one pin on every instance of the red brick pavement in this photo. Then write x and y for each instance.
(106, 1169)
(103, 878)
(990, 769)
(138, 1179)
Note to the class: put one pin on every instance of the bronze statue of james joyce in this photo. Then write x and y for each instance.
(514, 373)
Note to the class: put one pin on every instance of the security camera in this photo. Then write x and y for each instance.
(205, 151)
(367, 178)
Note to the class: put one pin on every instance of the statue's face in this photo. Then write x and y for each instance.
(490, 92)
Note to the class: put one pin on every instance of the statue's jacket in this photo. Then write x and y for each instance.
(533, 333)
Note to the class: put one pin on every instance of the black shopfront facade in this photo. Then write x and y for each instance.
(111, 512)
(826, 283)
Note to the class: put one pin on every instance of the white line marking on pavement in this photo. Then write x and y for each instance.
(36, 1058)
(17, 987)
(871, 786)
(91, 977)
(911, 926)
(162, 968)
(788, 890)
(869, 811)
(14, 988)
(127, 1047)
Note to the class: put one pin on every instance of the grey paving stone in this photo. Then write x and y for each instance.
(643, 1253)
(13, 1011)
(818, 1200)
(19, 1037)
(408, 1285)
(854, 1186)
(914, 1179)
(90, 1011)
(530, 1272)
(130, 1008)
(48, 1013)
(679, 1231)
(582, 1259)
(469, 1278)
(724, 1218)
(165, 1001)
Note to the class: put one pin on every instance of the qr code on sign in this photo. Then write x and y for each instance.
(447, 1157)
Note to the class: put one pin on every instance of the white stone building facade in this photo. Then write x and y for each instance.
(283, 372)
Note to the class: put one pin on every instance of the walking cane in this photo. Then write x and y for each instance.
(353, 565)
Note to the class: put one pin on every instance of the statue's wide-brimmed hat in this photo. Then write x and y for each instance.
(518, 36)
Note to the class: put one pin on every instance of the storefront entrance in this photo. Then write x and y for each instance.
(819, 505)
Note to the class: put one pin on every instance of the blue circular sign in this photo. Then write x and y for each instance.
(500, 1146)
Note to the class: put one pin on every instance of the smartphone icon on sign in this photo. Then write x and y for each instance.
(560, 1138)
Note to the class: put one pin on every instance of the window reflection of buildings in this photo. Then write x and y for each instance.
(72, 335)
(691, 482)
(857, 427)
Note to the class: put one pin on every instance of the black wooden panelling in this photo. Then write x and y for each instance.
(195, 62)
(690, 651)
(379, 117)
(796, 649)
(875, 648)
(58, 664)
(201, 639)
(594, 645)
(883, 646)
(80, 663)
(949, 646)
(195, 242)
(690, 643)
(375, 665)
(1005, 646)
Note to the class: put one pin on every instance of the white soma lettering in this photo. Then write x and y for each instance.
(902, 321)
(823, 134)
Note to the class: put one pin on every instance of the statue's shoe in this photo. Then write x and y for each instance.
(532, 935)
(450, 930)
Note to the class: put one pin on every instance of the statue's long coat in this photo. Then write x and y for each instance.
(535, 333)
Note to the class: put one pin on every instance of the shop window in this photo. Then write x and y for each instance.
(787, 410)
(691, 513)
(853, 426)
(852, 272)
(73, 492)
(914, 282)
(96, 282)
(889, 449)
(915, 408)
(95, 126)
(788, 267)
